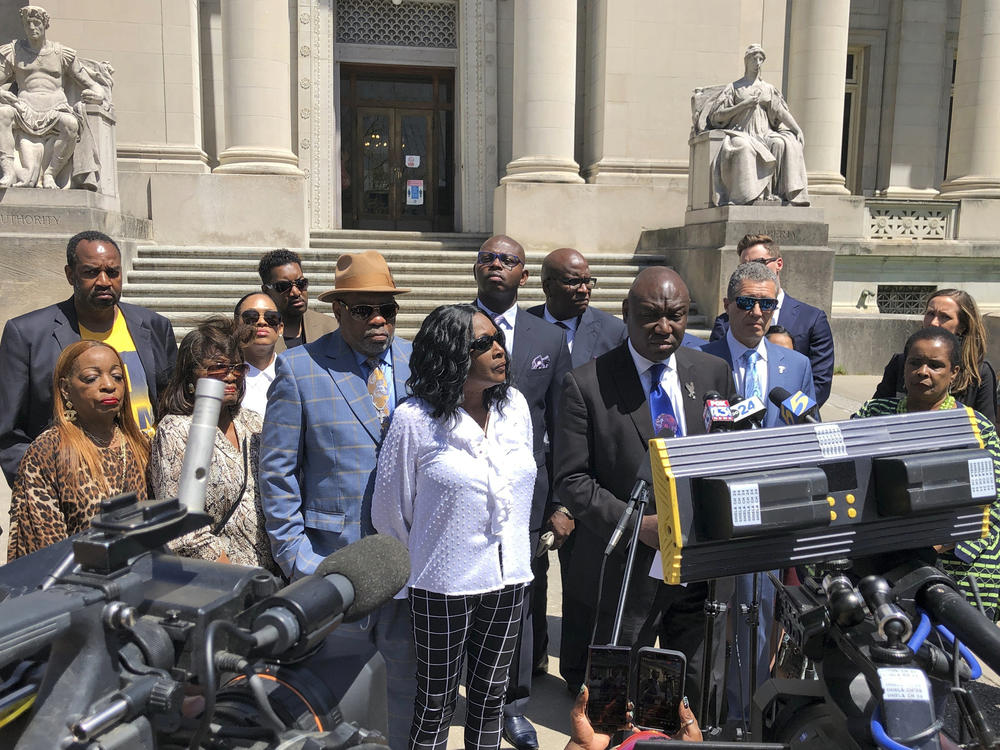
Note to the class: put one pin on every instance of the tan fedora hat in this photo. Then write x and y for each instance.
(361, 272)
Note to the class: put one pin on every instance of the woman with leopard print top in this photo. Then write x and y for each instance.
(93, 450)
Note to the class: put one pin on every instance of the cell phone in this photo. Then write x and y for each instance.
(659, 687)
(607, 681)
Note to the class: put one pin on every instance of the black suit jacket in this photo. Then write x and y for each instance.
(602, 438)
(597, 332)
(811, 335)
(30, 346)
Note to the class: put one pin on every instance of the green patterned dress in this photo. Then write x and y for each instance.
(981, 557)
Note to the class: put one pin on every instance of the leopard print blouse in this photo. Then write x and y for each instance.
(49, 503)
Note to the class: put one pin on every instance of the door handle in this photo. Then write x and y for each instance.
(397, 172)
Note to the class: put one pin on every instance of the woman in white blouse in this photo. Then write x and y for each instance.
(455, 479)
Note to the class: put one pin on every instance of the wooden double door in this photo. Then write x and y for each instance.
(397, 154)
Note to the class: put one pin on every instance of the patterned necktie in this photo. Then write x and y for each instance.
(378, 389)
(751, 383)
(660, 406)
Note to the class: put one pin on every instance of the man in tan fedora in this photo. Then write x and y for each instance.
(326, 414)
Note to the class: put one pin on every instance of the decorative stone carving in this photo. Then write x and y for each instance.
(47, 129)
(930, 220)
(747, 140)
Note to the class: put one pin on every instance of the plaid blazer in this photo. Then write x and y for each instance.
(318, 451)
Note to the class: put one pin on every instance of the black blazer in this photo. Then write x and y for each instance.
(811, 335)
(602, 437)
(30, 346)
(597, 332)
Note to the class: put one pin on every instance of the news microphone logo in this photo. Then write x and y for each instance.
(795, 408)
(717, 415)
(748, 413)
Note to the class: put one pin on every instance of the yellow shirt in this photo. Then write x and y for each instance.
(135, 376)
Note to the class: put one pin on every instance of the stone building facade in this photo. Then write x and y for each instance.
(560, 122)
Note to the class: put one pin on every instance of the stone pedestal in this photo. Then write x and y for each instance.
(703, 251)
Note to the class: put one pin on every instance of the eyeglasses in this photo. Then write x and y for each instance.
(763, 261)
(588, 281)
(284, 287)
(507, 260)
(365, 312)
(767, 304)
(271, 317)
(485, 342)
(219, 371)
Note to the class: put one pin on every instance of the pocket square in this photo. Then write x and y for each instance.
(541, 362)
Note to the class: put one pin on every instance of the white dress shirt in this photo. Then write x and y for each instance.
(570, 324)
(257, 383)
(457, 497)
(777, 310)
(669, 380)
(507, 320)
(736, 352)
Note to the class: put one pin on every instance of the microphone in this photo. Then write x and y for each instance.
(200, 443)
(348, 585)
(717, 415)
(796, 408)
(643, 481)
(748, 414)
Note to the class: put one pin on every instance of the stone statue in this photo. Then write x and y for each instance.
(44, 140)
(760, 159)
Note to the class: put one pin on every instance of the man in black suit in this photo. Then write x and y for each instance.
(32, 343)
(605, 423)
(539, 359)
(808, 325)
(590, 332)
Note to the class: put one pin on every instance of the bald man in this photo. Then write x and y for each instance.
(605, 420)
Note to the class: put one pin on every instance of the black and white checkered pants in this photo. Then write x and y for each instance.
(447, 630)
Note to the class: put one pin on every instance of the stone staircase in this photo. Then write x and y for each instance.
(188, 283)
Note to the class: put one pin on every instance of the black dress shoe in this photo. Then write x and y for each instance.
(518, 731)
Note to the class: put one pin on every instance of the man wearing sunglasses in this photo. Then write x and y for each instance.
(807, 325)
(539, 358)
(258, 312)
(327, 411)
(282, 280)
(758, 367)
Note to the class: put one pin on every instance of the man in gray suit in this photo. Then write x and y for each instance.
(590, 332)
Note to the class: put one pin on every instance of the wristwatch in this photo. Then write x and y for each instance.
(565, 511)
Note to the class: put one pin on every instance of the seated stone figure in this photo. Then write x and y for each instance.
(40, 131)
(760, 159)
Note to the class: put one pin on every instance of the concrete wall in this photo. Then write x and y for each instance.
(864, 344)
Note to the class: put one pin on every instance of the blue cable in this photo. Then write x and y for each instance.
(882, 739)
(921, 633)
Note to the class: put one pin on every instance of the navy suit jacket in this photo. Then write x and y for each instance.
(786, 369)
(318, 450)
(29, 349)
(597, 332)
(811, 336)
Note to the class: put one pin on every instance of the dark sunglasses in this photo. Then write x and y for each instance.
(588, 281)
(507, 260)
(221, 372)
(485, 342)
(763, 261)
(284, 287)
(767, 304)
(365, 312)
(271, 317)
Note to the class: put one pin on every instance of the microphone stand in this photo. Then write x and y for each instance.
(713, 609)
(640, 510)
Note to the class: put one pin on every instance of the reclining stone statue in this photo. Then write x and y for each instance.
(45, 141)
(760, 158)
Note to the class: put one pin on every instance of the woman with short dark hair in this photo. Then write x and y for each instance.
(455, 479)
(213, 350)
(930, 364)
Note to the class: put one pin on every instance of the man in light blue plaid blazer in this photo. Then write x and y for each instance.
(319, 447)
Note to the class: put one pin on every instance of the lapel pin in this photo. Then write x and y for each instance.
(781, 369)
(690, 390)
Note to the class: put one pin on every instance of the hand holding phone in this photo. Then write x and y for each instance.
(659, 688)
(608, 683)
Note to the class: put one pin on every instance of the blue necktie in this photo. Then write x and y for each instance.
(751, 384)
(660, 406)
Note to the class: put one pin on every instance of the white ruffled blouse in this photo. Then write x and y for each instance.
(459, 498)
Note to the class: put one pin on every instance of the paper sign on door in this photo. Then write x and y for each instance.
(414, 192)
(413, 160)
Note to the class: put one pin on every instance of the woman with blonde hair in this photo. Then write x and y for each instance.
(93, 450)
(975, 384)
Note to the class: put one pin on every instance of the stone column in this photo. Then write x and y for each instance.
(974, 152)
(817, 54)
(545, 92)
(255, 69)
